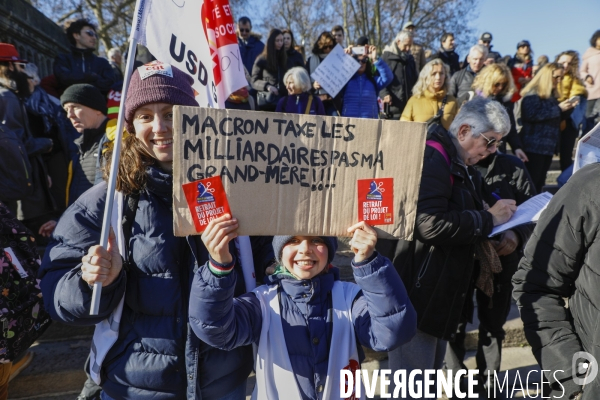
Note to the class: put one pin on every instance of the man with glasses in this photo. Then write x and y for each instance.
(250, 44)
(81, 65)
(486, 40)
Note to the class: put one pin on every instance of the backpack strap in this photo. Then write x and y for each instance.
(308, 104)
(438, 146)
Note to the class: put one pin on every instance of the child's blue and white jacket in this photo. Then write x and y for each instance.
(377, 307)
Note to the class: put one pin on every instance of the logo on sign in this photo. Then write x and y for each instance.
(205, 193)
(375, 191)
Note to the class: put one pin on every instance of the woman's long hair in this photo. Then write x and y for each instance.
(425, 78)
(293, 44)
(489, 76)
(573, 69)
(275, 59)
(541, 84)
(131, 176)
(325, 39)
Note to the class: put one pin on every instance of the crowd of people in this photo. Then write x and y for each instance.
(411, 298)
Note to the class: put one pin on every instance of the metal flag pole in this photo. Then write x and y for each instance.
(114, 165)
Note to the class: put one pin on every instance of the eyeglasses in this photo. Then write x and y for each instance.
(491, 142)
(90, 33)
(328, 46)
(242, 30)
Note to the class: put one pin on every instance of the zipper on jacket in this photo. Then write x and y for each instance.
(83, 62)
(424, 267)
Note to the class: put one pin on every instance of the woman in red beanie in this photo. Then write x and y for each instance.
(146, 280)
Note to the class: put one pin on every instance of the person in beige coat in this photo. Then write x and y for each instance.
(428, 95)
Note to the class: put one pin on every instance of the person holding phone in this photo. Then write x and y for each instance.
(359, 98)
(541, 116)
(573, 90)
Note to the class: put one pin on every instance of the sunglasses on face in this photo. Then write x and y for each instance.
(90, 33)
(491, 142)
(242, 30)
(499, 84)
(328, 46)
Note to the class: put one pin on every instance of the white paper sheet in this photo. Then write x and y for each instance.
(335, 70)
(529, 211)
(588, 149)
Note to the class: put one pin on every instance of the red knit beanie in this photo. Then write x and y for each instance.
(158, 88)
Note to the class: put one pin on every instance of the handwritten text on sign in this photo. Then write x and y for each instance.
(296, 174)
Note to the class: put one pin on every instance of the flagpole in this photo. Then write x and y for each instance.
(116, 154)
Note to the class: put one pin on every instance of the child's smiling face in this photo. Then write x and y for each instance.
(305, 256)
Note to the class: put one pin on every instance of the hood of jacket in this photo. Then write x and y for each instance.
(590, 52)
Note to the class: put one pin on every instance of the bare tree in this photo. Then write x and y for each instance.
(379, 20)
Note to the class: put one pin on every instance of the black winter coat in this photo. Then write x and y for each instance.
(461, 82)
(450, 58)
(541, 124)
(83, 66)
(294, 59)
(405, 76)
(437, 266)
(561, 262)
(507, 177)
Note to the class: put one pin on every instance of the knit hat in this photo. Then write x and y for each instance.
(158, 88)
(280, 241)
(86, 95)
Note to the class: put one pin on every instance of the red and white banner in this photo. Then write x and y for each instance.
(199, 38)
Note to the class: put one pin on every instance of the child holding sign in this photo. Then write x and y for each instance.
(305, 321)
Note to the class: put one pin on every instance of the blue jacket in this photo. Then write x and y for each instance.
(383, 316)
(156, 354)
(360, 96)
(250, 51)
(83, 66)
(296, 104)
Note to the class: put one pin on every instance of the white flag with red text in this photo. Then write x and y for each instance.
(199, 38)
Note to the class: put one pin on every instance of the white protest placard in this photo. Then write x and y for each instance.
(588, 149)
(291, 174)
(335, 70)
(527, 212)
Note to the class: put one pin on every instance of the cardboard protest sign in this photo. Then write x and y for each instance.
(299, 174)
(335, 70)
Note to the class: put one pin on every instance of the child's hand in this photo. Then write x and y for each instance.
(363, 241)
(217, 236)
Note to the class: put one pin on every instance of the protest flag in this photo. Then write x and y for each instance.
(198, 37)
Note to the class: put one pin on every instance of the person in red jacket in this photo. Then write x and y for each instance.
(521, 66)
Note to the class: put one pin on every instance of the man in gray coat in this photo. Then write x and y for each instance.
(461, 82)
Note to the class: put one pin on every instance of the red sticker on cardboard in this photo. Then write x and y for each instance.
(376, 201)
(207, 200)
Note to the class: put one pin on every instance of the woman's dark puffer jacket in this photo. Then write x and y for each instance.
(561, 262)
(262, 77)
(541, 124)
(437, 265)
(156, 354)
(382, 315)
